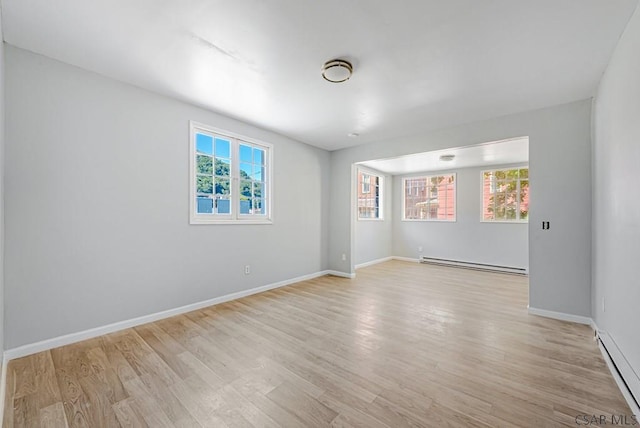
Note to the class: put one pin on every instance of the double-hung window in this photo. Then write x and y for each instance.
(230, 177)
(369, 195)
(429, 198)
(505, 195)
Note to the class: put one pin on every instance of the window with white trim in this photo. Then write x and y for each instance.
(230, 177)
(369, 195)
(505, 195)
(429, 198)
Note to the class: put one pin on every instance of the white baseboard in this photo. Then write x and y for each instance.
(67, 339)
(373, 262)
(341, 274)
(3, 385)
(626, 378)
(561, 316)
(406, 259)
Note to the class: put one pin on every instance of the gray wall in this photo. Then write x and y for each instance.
(1, 192)
(616, 202)
(466, 239)
(373, 238)
(97, 205)
(560, 162)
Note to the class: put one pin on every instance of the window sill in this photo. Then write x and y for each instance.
(370, 219)
(505, 221)
(199, 221)
(428, 220)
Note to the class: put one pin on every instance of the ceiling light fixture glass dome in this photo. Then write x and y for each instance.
(337, 70)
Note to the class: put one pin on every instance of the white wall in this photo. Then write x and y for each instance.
(97, 205)
(616, 200)
(467, 239)
(560, 162)
(373, 238)
(2, 168)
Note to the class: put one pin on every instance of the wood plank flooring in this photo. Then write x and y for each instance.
(402, 345)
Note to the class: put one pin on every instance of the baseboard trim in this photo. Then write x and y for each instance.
(67, 339)
(3, 385)
(561, 316)
(372, 262)
(626, 378)
(406, 259)
(340, 274)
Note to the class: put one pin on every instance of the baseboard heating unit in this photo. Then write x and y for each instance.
(472, 265)
(626, 377)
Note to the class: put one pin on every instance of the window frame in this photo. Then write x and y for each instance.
(429, 176)
(235, 140)
(509, 168)
(370, 173)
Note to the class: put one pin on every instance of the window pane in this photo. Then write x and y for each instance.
(498, 203)
(223, 167)
(205, 164)
(245, 153)
(258, 173)
(222, 148)
(258, 156)
(511, 213)
(258, 206)
(204, 184)
(524, 173)
(204, 205)
(245, 188)
(245, 206)
(245, 170)
(257, 189)
(365, 180)
(204, 144)
(223, 186)
(524, 199)
(223, 206)
(370, 195)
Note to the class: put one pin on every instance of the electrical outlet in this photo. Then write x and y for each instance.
(247, 270)
(344, 257)
(420, 249)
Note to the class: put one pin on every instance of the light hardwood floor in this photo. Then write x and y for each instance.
(402, 345)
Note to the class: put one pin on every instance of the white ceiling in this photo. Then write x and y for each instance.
(419, 64)
(514, 151)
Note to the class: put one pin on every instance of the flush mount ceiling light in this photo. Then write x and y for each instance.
(447, 158)
(337, 70)
(353, 135)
